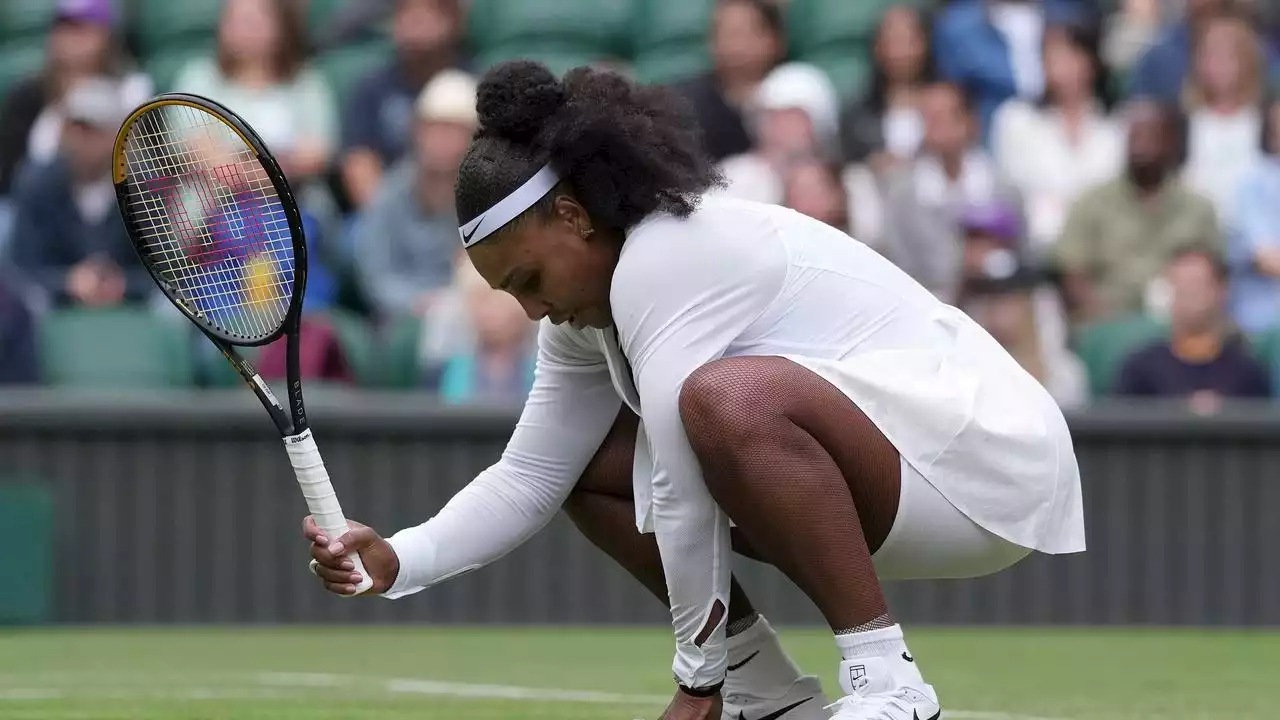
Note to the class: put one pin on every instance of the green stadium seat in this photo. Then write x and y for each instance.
(115, 348)
(319, 13)
(558, 32)
(837, 35)
(674, 65)
(214, 371)
(814, 25)
(163, 66)
(167, 24)
(26, 17)
(669, 40)
(1266, 347)
(850, 74)
(19, 58)
(558, 60)
(400, 352)
(344, 66)
(356, 338)
(1104, 346)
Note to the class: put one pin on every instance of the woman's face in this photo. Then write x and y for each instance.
(1068, 70)
(249, 29)
(741, 40)
(1220, 59)
(551, 268)
(78, 50)
(812, 190)
(786, 132)
(901, 46)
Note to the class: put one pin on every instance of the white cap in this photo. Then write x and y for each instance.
(96, 101)
(801, 86)
(449, 96)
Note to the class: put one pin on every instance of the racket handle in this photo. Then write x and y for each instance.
(322, 501)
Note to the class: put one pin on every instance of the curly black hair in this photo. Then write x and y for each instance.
(622, 150)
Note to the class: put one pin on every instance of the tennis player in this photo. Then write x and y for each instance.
(716, 375)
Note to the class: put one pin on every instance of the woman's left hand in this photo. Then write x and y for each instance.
(689, 707)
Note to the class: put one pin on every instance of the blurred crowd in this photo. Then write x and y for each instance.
(1096, 181)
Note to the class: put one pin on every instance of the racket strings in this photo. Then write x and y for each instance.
(210, 221)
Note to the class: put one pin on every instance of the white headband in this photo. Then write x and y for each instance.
(509, 207)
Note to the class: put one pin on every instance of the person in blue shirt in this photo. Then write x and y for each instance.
(1205, 359)
(1161, 71)
(17, 337)
(378, 116)
(992, 48)
(1254, 236)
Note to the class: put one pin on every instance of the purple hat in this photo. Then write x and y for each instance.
(96, 12)
(995, 219)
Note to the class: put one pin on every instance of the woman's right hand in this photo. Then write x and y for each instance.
(336, 571)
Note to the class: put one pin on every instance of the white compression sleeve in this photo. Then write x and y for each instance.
(570, 408)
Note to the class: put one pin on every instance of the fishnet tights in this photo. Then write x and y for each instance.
(806, 476)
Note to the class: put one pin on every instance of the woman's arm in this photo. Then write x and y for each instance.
(570, 408)
(711, 291)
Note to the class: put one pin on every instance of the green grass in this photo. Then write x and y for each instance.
(233, 673)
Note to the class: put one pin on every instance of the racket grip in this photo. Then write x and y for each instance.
(322, 501)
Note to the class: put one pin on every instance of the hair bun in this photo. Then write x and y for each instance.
(516, 99)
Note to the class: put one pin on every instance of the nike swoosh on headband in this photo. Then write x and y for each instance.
(510, 207)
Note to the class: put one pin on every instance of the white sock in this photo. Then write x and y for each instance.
(885, 642)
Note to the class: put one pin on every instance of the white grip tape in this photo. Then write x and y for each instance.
(322, 501)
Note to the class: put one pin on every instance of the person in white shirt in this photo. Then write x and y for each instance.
(1224, 98)
(1055, 149)
(716, 375)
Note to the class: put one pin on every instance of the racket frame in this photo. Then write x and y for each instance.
(293, 425)
(290, 422)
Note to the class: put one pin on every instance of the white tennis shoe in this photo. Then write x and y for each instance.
(884, 689)
(764, 684)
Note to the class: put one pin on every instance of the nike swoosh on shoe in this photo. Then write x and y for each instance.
(750, 657)
(779, 713)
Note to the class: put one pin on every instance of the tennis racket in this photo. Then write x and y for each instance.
(211, 216)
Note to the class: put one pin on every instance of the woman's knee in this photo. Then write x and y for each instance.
(733, 398)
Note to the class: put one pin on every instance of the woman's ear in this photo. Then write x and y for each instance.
(569, 211)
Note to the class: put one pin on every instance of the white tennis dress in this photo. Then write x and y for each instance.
(740, 278)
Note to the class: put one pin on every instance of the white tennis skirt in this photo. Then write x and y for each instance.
(989, 473)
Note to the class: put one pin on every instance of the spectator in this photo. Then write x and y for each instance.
(813, 187)
(496, 365)
(1224, 102)
(407, 238)
(1162, 70)
(1205, 358)
(378, 116)
(884, 128)
(261, 70)
(82, 43)
(795, 115)
(1057, 147)
(992, 49)
(18, 364)
(747, 41)
(1130, 31)
(1119, 235)
(1255, 238)
(68, 237)
(924, 199)
(1015, 303)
